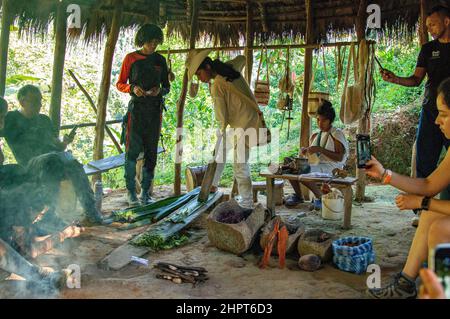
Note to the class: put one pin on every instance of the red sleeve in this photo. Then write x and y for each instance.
(122, 83)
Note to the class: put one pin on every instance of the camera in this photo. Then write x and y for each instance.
(363, 150)
(441, 266)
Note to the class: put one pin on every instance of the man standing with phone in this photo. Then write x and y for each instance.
(433, 61)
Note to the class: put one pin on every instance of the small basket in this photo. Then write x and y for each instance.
(353, 259)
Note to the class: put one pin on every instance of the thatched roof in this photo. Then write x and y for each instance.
(222, 20)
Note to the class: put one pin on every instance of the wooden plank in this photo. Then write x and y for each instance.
(105, 83)
(195, 4)
(58, 64)
(305, 129)
(348, 196)
(4, 43)
(347, 180)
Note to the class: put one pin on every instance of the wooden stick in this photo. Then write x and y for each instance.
(7, 17)
(249, 43)
(70, 126)
(91, 103)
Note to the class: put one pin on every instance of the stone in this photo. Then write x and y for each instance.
(311, 244)
(309, 262)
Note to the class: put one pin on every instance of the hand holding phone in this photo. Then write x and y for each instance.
(363, 150)
(440, 258)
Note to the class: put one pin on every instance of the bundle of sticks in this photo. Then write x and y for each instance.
(180, 274)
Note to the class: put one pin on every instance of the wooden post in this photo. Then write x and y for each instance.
(58, 63)
(7, 16)
(249, 37)
(106, 80)
(363, 126)
(195, 4)
(305, 130)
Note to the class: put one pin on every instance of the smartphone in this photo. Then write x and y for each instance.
(363, 153)
(73, 131)
(441, 266)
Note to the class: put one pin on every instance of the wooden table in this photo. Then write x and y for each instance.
(344, 184)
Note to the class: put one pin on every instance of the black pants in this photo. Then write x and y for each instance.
(142, 135)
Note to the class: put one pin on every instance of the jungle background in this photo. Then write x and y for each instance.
(394, 114)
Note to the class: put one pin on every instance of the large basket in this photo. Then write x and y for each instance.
(354, 259)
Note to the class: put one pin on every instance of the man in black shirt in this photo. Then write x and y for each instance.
(434, 61)
(30, 134)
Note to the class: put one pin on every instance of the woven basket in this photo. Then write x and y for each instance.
(354, 259)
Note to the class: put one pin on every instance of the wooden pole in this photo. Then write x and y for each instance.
(58, 64)
(94, 108)
(195, 4)
(305, 129)
(249, 36)
(106, 81)
(4, 43)
(363, 125)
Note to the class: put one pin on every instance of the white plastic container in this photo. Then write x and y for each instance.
(333, 205)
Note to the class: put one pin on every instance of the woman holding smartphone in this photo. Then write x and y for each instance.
(144, 75)
(434, 225)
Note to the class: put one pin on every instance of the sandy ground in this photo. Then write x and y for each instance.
(230, 276)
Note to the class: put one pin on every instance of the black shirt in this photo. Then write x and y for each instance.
(28, 138)
(435, 58)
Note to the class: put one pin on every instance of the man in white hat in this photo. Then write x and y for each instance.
(235, 106)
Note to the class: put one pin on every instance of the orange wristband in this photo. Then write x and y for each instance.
(387, 177)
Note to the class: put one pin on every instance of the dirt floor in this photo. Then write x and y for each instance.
(230, 276)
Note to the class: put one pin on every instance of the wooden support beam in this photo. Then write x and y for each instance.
(195, 5)
(363, 125)
(94, 108)
(249, 37)
(105, 83)
(79, 125)
(58, 64)
(423, 31)
(305, 129)
(7, 17)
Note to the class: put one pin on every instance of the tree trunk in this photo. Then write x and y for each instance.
(106, 81)
(180, 104)
(305, 130)
(58, 64)
(4, 43)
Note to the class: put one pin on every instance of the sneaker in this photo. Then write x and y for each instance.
(400, 288)
(132, 199)
(293, 200)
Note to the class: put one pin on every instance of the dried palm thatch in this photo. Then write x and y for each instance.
(222, 20)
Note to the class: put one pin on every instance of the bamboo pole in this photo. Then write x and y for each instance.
(363, 125)
(249, 37)
(305, 129)
(270, 47)
(94, 108)
(7, 16)
(106, 81)
(58, 64)
(195, 4)
(79, 125)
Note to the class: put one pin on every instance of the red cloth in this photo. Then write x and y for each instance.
(122, 83)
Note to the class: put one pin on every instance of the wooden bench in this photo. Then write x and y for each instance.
(344, 184)
(262, 186)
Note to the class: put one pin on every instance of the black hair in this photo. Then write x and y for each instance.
(440, 9)
(220, 68)
(147, 33)
(326, 109)
(24, 90)
(3, 105)
(444, 89)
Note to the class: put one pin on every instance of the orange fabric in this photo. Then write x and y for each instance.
(122, 83)
(282, 246)
(269, 245)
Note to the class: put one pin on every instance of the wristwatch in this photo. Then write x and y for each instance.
(426, 203)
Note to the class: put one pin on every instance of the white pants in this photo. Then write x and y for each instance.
(241, 169)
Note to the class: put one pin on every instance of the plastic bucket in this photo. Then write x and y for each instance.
(332, 208)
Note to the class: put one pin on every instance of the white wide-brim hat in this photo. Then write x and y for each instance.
(194, 59)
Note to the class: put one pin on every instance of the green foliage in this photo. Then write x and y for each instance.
(30, 61)
(156, 242)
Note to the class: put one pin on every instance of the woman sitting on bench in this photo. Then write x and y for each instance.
(328, 150)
